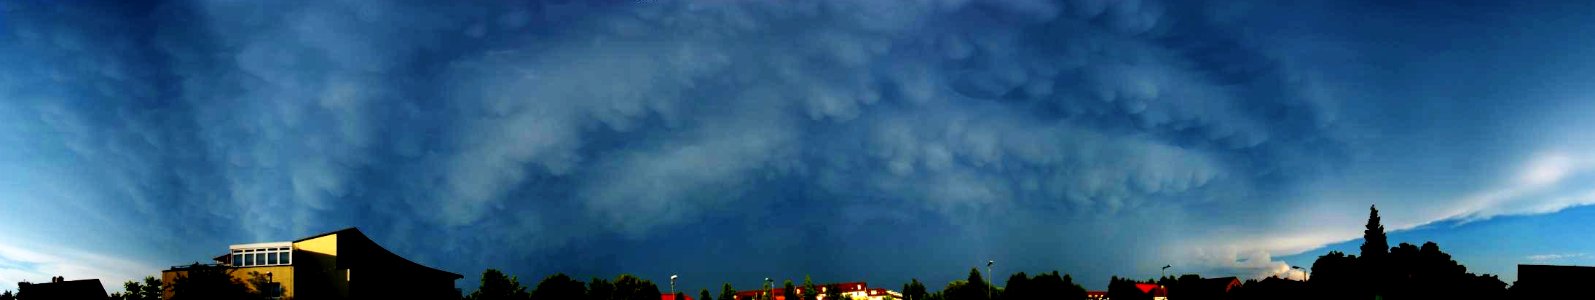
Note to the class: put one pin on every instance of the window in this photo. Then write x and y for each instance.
(270, 256)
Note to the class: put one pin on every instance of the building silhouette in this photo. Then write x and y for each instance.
(1548, 282)
(343, 264)
(60, 288)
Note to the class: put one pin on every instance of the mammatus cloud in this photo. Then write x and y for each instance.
(548, 125)
(638, 116)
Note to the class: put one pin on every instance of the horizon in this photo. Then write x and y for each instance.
(847, 140)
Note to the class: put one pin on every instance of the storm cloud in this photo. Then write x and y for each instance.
(1096, 137)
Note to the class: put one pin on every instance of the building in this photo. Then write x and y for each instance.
(668, 296)
(60, 288)
(343, 264)
(850, 290)
(1548, 282)
(1096, 295)
(1155, 290)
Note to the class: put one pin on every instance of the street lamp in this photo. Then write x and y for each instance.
(673, 286)
(769, 288)
(1304, 275)
(1165, 271)
(988, 278)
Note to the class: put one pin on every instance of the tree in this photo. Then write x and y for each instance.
(628, 287)
(914, 290)
(209, 282)
(7, 296)
(1373, 237)
(497, 286)
(559, 287)
(600, 289)
(833, 293)
(809, 291)
(704, 295)
(788, 290)
(727, 293)
(1338, 276)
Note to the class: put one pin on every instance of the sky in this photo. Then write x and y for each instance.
(729, 141)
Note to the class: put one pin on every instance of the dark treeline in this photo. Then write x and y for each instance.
(1401, 272)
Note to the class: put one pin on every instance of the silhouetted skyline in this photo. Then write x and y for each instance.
(846, 140)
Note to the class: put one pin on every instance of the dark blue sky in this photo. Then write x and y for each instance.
(847, 140)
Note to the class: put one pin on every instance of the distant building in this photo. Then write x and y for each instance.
(1096, 295)
(668, 296)
(1155, 290)
(343, 264)
(60, 288)
(849, 290)
(1547, 282)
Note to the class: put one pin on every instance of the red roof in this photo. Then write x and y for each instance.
(668, 296)
(1152, 288)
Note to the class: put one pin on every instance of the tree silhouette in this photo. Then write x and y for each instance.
(559, 287)
(7, 295)
(201, 282)
(809, 291)
(704, 295)
(789, 291)
(149, 289)
(1373, 237)
(600, 289)
(497, 286)
(628, 287)
(914, 290)
(727, 293)
(832, 292)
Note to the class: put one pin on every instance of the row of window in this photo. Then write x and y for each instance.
(262, 257)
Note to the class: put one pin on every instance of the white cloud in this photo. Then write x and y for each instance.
(1556, 257)
(30, 264)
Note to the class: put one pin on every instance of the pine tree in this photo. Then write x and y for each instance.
(1374, 245)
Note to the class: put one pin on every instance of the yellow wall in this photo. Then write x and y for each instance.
(318, 262)
(325, 245)
(282, 275)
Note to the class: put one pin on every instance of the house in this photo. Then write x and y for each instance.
(1096, 295)
(1548, 281)
(668, 296)
(1155, 290)
(60, 288)
(849, 290)
(343, 264)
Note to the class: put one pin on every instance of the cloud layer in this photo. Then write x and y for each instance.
(524, 133)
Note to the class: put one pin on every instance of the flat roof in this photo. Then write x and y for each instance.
(260, 245)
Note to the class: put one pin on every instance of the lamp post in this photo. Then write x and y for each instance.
(1165, 271)
(769, 288)
(1304, 275)
(988, 278)
(673, 286)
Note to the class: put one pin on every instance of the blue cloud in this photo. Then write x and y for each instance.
(580, 137)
